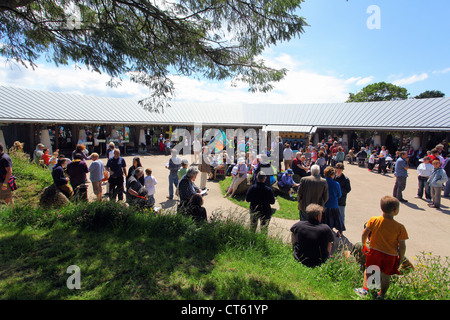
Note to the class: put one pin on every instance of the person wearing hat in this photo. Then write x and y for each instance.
(286, 182)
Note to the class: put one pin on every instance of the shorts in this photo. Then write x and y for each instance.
(6, 194)
(388, 264)
(97, 187)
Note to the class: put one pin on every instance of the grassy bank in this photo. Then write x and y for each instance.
(124, 254)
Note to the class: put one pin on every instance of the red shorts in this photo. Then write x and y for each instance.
(388, 264)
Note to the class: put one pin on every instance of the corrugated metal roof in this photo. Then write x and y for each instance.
(272, 128)
(25, 105)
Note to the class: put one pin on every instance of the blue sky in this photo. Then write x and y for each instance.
(336, 55)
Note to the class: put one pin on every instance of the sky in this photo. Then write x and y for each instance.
(347, 45)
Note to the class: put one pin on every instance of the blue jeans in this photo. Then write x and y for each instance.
(342, 212)
(447, 189)
(173, 180)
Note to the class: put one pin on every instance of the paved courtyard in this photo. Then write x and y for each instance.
(428, 228)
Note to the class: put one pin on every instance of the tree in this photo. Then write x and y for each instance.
(380, 91)
(430, 94)
(151, 40)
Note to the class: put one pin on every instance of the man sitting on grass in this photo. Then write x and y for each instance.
(312, 240)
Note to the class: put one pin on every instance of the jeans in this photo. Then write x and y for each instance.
(423, 185)
(342, 212)
(447, 189)
(399, 186)
(116, 187)
(173, 180)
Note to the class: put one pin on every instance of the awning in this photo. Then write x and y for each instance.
(278, 128)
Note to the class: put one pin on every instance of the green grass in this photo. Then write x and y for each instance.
(31, 178)
(147, 256)
(288, 208)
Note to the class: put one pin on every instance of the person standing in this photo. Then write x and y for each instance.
(6, 193)
(331, 215)
(96, 170)
(260, 197)
(387, 246)
(401, 174)
(77, 171)
(116, 166)
(346, 187)
(197, 147)
(447, 171)
(204, 167)
(311, 189)
(150, 182)
(436, 181)
(424, 171)
(312, 240)
(288, 156)
(173, 166)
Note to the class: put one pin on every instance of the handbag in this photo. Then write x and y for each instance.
(12, 183)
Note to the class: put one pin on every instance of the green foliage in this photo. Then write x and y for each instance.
(212, 39)
(380, 91)
(430, 94)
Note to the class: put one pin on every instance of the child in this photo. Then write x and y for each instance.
(387, 245)
(424, 171)
(46, 157)
(436, 182)
(183, 169)
(150, 182)
(53, 160)
(372, 158)
(195, 208)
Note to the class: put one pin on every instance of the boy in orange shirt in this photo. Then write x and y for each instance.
(387, 245)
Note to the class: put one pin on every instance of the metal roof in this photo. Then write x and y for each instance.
(34, 106)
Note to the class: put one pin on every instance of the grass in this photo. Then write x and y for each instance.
(124, 254)
(31, 178)
(288, 208)
(147, 256)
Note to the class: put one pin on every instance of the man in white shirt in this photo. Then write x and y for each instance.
(424, 171)
(197, 146)
(288, 156)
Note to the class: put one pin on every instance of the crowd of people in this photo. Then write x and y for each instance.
(315, 174)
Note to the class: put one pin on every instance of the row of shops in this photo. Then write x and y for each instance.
(33, 117)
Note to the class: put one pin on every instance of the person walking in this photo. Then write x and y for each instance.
(401, 174)
(387, 246)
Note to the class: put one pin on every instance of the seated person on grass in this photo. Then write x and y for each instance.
(287, 183)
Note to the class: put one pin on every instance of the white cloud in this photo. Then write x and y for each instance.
(359, 81)
(70, 79)
(410, 80)
(443, 71)
(299, 85)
